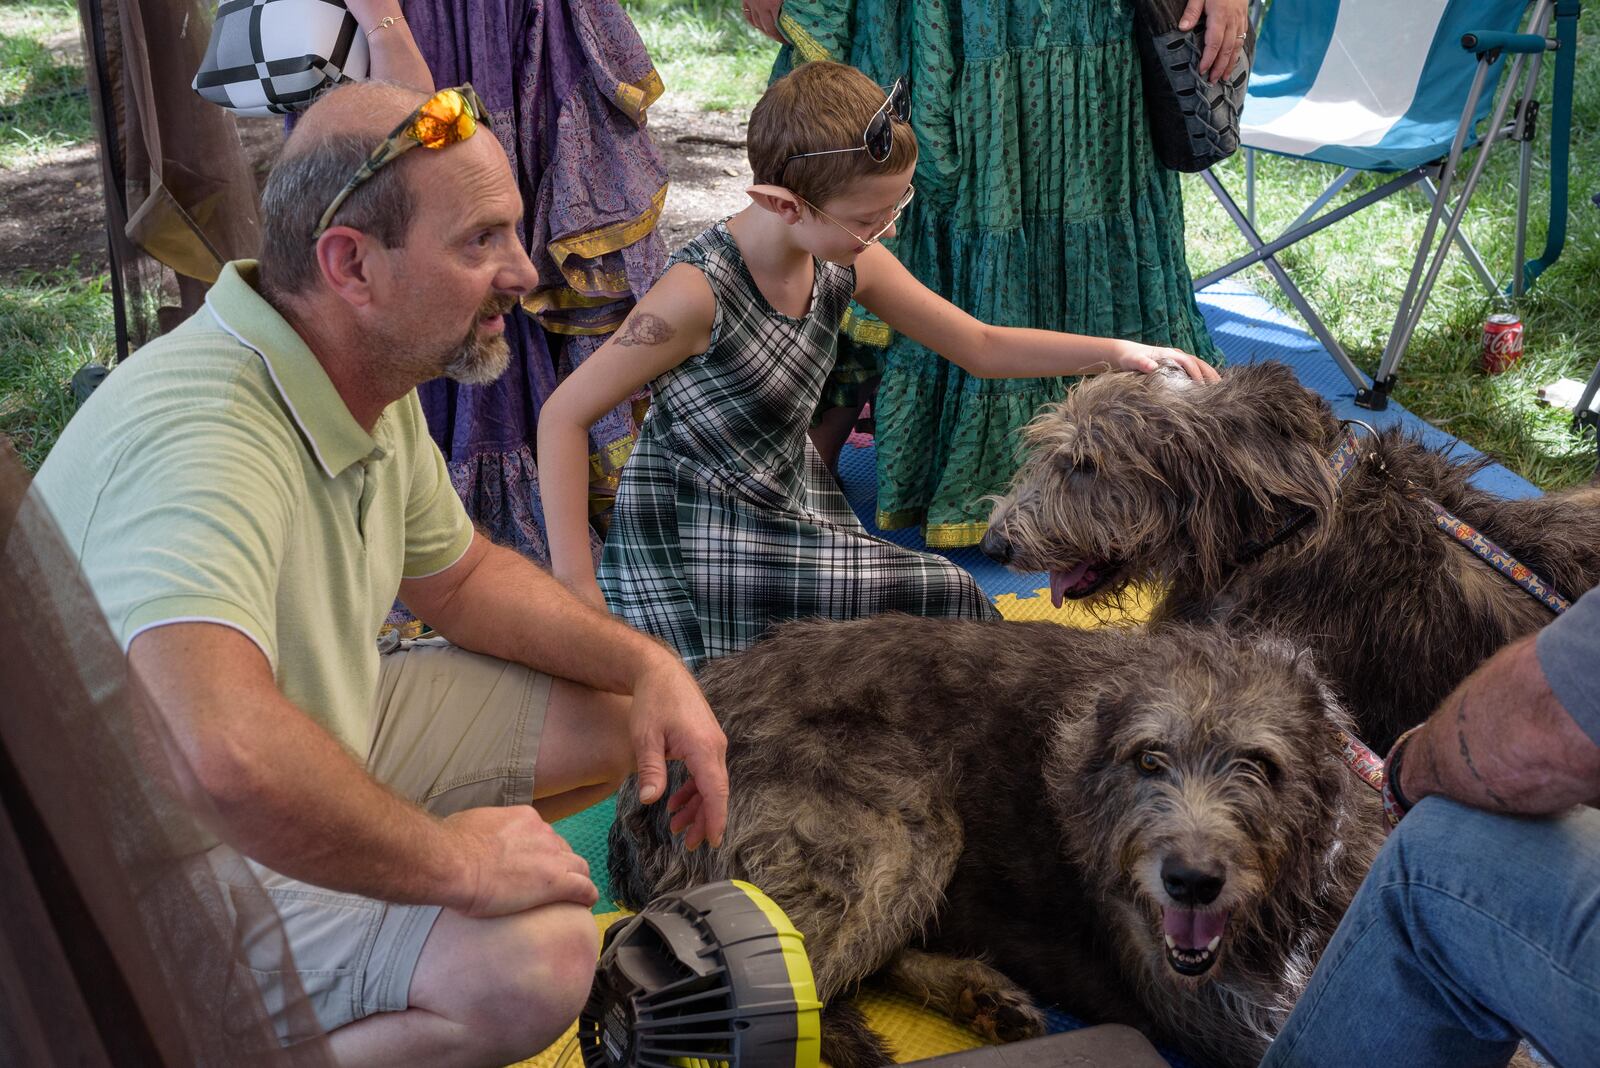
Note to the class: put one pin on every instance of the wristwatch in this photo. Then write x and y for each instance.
(1395, 803)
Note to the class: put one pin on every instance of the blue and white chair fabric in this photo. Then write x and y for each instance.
(1404, 88)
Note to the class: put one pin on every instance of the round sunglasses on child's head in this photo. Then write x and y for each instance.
(879, 137)
(877, 141)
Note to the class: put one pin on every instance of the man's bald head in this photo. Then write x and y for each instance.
(367, 110)
(329, 143)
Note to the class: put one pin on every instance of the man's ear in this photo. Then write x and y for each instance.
(778, 200)
(350, 262)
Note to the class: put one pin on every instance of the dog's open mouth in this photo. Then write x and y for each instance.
(1081, 580)
(1193, 938)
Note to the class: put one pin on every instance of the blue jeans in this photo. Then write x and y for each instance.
(1471, 932)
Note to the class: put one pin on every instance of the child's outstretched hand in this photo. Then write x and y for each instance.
(1149, 358)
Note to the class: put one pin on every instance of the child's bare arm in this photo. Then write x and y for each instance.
(671, 323)
(885, 288)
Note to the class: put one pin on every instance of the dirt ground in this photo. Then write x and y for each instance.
(54, 210)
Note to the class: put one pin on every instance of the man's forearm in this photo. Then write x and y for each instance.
(510, 608)
(289, 796)
(1503, 742)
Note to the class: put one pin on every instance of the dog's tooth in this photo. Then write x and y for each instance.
(1211, 946)
(1170, 943)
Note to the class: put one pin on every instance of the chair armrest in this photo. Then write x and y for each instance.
(1481, 43)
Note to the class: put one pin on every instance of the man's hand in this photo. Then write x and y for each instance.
(1227, 24)
(671, 721)
(1147, 359)
(516, 861)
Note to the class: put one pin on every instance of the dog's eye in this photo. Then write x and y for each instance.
(1149, 762)
(1266, 766)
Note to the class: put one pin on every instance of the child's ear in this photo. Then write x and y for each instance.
(778, 200)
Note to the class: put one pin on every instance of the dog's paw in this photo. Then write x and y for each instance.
(1001, 1015)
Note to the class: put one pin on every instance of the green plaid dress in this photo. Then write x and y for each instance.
(726, 521)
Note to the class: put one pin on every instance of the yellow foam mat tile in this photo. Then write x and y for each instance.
(913, 1032)
(1136, 608)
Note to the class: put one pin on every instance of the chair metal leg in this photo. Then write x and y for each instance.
(1524, 133)
(1465, 244)
(1285, 283)
(1321, 202)
(1584, 418)
(1290, 237)
(1250, 185)
(1420, 285)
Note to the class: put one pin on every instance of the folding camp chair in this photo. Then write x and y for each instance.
(1403, 87)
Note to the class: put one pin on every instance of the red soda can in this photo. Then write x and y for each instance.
(1502, 342)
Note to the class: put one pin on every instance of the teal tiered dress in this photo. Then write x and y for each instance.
(1040, 203)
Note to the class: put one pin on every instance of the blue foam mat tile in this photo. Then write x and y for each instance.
(1249, 330)
(858, 476)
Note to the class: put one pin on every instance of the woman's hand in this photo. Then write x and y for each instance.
(1149, 358)
(763, 15)
(1227, 24)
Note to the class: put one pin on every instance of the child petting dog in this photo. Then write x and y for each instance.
(727, 522)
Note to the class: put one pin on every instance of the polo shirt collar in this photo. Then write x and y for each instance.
(330, 431)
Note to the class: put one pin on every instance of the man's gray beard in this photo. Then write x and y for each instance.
(477, 362)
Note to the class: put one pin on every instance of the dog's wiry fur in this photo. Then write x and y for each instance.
(959, 809)
(1150, 479)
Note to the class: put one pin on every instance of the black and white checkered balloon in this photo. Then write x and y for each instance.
(269, 57)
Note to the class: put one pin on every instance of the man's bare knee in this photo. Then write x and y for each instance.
(546, 983)
(514, 983)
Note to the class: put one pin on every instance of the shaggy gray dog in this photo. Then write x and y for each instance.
(1153, 828)
(1142, 479)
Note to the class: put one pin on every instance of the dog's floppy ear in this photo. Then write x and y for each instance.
(1303, 661)
(1074, 752)
(1266, 435)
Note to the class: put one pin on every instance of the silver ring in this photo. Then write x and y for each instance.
(1240, 37)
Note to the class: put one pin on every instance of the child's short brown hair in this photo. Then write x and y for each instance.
(815, 107)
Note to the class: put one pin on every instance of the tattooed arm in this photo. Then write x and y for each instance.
(671, 323)
(1504, 741)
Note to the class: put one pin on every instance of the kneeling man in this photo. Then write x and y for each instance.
(248, 495)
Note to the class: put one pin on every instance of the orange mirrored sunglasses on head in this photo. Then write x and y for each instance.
(445, 118)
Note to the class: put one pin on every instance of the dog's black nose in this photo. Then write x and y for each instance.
(996, 546)
(1190, 886)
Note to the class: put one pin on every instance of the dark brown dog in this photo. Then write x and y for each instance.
(1143, 479)
(1154, 828)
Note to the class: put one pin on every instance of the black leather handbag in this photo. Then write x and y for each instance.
(1193, 122)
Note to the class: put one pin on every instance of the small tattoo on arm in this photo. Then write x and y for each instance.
(644, 329)
(1466, 755)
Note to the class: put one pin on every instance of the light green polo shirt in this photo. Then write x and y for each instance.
(218, 476)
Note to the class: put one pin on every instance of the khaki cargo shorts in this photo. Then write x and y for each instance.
(453, 730)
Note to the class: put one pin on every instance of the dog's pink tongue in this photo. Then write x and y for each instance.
(1062, 581)
(1191, 929)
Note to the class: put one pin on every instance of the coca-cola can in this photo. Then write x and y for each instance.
(1502, 342)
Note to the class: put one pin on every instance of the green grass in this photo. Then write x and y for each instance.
(43, 106)
(50, 325)
(706, 53)
(1353, 273)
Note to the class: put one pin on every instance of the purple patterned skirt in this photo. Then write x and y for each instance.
(566, 83)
